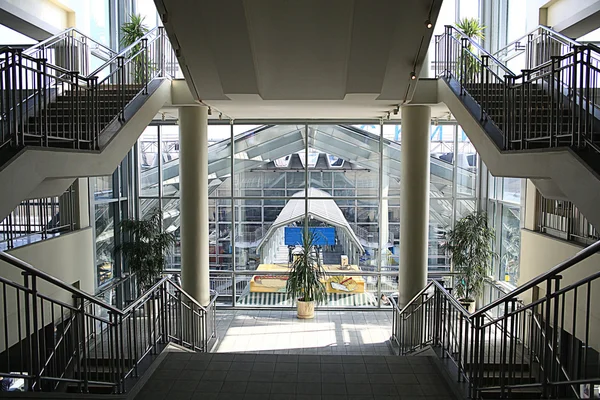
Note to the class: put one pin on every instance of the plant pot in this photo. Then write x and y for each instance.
(468, 304)
(306, 309)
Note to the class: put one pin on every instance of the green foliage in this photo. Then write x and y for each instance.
(147, 247)
(304, 282)
(133, 31)
(470, 247)
(473, 30)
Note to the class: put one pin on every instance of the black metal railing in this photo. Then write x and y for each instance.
(64, 105)
(74, 339)
(552, 103)
(38, 219)
(562, 219)
(539, 337)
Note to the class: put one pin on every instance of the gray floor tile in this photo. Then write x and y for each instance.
(258, 387)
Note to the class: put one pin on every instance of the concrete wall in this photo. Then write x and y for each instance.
(69, 257)
(38, 19)
(573, 18)
(539, 253)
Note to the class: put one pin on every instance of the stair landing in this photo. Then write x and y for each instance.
(290, 376)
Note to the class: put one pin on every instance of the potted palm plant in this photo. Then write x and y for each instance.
(131, 32)
(472, 29)
(305, 279)
(147, 248)
(469, 245)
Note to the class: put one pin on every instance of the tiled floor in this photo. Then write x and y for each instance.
(280, 332)
(206, 376)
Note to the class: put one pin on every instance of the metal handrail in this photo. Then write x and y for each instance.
(550, 274)
(481, 49)
(28, 268)
(563, 38)
(126, 50)
(65, 33)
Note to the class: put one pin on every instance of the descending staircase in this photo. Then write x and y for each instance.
(521, 346)
(57, 338)
(49, 99)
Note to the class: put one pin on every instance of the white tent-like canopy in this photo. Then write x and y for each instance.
(323, 209)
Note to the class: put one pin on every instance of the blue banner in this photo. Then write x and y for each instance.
(322, 236)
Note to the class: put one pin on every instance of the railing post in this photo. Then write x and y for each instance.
(589, 102)
(121, 87)
(575, 136)
(545, 358)
(447, 42)
(161, 51)
(146, 64)
(524, 114)
(554, 368)
(464, 54)
(82, 343)
(75, 107)
(507, 107)
(32, 332)
(553, 86)
(483, 87)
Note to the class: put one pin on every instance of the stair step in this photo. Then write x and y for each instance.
(514, 394)
(92, 389)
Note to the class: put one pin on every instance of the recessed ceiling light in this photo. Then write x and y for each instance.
(428, 24)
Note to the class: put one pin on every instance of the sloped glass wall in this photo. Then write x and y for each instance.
(341, 180)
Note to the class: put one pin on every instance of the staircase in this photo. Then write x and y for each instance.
(282, 255)
(526, 344)
(74, 342)
(542, 123)
(49, 99)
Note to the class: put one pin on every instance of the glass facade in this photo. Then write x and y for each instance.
(505, 204)
(348, 176)
(110, 204)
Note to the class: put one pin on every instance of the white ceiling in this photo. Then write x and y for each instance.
(300, 59)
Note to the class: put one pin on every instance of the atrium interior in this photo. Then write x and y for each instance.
(231, 132)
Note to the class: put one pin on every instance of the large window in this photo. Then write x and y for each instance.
(504, 210)
(109, 197)
(343, 181)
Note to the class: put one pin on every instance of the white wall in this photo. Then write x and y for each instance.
(69, 257)
(38, 19)
(573, 17)
(541, 252)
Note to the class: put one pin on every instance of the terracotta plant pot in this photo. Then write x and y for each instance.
(306, 309)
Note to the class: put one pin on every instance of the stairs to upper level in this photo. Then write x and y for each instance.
(60, 121)
(542, 124)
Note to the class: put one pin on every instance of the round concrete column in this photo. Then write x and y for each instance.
(414, 201)
(193, 181)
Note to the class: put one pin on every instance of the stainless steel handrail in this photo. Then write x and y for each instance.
(126, 50)
(553, 272)
(481, 49)
(58, 37)
(14, 261)
(565, 39)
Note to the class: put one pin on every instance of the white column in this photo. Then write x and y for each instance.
(193, 181)
(414, 201)
(384, 218)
